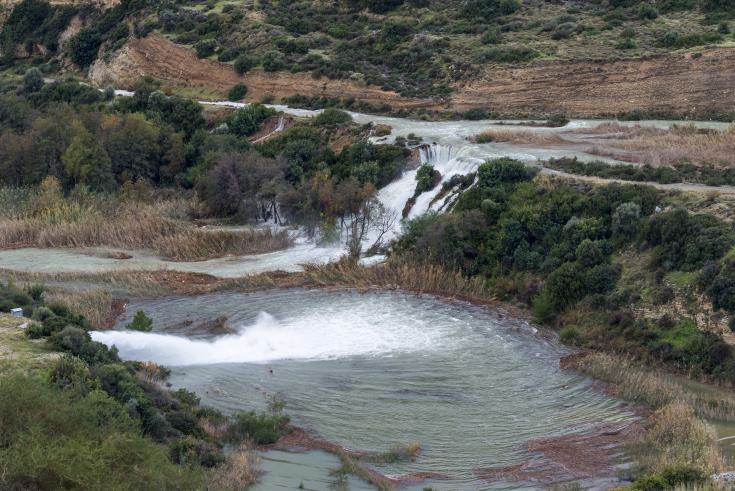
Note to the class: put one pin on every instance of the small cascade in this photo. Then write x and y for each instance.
(435, 154)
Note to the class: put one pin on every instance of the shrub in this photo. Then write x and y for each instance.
(237, 92)
(273, 61)
(476, 114)
(83, 46)
(647, 11)
(260, 429)
(32, 80)
(332, 117)
(243, 63)
(426, 179)
(87, 442)
(141, 322)
(511, 54)
(246, 120)
(205, 48)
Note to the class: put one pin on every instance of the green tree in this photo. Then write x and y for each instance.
(32, 80)
(87, 163)
(83, 46)
(141, 322)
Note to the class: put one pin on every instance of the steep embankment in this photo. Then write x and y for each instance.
(178, 66)
(676, 83)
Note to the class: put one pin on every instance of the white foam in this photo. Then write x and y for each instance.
(331, 335)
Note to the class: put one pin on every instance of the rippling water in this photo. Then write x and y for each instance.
(375, 369)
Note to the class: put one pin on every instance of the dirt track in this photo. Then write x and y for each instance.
(676, 83)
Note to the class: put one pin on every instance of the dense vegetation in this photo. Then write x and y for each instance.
(562, 249)
(685, 172)
(415, 47)
(92, 421)
(92, 142)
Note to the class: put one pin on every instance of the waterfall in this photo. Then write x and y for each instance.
(435, 154)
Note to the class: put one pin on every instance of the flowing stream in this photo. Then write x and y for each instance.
(368, 370)
(445, 146)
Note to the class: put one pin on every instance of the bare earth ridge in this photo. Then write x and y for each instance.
(678, 83)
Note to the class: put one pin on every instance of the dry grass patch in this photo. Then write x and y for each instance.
(140, 228)
(239, 471)
(520, 137)
(657, 147)
(678, 437)
(95, 304)
(644, 385)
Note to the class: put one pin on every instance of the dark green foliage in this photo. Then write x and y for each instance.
(647, 11)
(141, 322)
(237, 92)
(83, 46)
(260, 429)
(510, 54)
(273, 61)
(246, 120)
(488, 9)
(672, 39)
(32, 80)
(562, 238)
(686, 242)
(87, 441)
(332, 117)
(205, 48)
(243, 64)
(427, 179)
(703, 174)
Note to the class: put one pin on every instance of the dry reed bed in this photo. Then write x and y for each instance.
(520, 137)
(95, 304)
(677, 433)
(141, 230)
(639, 384)
(657, 147)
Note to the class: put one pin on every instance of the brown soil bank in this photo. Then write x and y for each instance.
(178, 66)
(675, 84)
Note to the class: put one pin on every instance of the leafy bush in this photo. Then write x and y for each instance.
(332, 117)
(511, 54)
(273, 61)
(237, 92)
(246, 120)
(205, 48)
(243, 64)
(260, 429)
(141, 322)
(82, 48)
(86, 442)
(426, 179)
(647, 11)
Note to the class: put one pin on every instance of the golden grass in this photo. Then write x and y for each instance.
(520, 137)
(390, 275)
(94, 304)
(678, 437)
(658, 147)
(239, 471)
(644, 385)
(142, 228)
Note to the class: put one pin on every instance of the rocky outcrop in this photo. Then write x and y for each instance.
(697, 86)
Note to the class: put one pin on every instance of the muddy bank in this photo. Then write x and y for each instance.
(590, 454)
(673, 84)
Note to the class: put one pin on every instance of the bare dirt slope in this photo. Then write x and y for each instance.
(671, 83)
(676, 83)
(178, 66)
